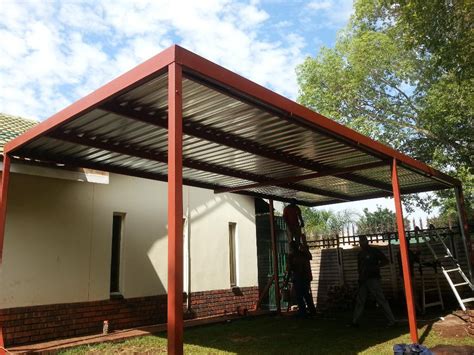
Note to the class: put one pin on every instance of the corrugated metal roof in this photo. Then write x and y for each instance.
(231, 139)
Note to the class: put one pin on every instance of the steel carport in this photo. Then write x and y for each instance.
(183, 119)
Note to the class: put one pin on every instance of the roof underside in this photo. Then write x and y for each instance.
(232, 141)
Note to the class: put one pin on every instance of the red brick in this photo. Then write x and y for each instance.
(38, 323)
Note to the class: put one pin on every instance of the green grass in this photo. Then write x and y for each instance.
(276, 335)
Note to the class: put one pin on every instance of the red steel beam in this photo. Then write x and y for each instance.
(404, 255)
(233, 141)
(175, 210)
(329, 172)
(464, 227)
(122, 170)
(159, 156)
(404, 191)
(275, 256)
(130, 150)
(199, 65)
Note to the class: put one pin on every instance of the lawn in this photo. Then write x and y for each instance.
(282, 335)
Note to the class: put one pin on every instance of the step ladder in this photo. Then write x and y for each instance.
(434, 291)
(449, 265)
(435, 294)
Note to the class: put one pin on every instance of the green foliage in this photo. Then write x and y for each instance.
(380, 220)
(325, 223)
(401, 72)
(443, 30)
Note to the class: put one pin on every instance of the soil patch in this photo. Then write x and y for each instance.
(451, 326)
(452, 350)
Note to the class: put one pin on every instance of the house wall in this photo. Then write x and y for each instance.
(58, 240)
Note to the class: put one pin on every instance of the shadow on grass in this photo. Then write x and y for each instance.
(425, 333)
(277, 335)
(285, 335)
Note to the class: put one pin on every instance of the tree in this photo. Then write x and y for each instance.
(381, 220)
(393, 76)
(443, 30)
(325, 223)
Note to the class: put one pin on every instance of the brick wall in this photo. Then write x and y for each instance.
(40, 323)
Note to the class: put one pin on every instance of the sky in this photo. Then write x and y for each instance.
(54, 52)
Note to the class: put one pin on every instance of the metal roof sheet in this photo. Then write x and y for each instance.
(236, 134)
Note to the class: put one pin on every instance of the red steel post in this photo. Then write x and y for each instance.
(404, 255)
(175, 210)
(3, 218)
(275, 257)
(464, 228)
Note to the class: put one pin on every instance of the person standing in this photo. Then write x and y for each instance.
(369, 262)
(294, 221)
(297, 268)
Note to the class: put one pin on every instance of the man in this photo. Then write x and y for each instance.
(308, 295)
(297, 268)
(369, 262)
(294, 221)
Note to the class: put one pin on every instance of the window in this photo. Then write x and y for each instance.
(232, 254)
(117, 227)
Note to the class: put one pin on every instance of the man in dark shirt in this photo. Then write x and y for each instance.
(369, 262)
(299, 269)
(294, 221)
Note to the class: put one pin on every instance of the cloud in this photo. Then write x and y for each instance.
(318, 4)
(332, 13)
(55, 52)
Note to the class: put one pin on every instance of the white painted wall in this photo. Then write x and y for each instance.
(59, 233)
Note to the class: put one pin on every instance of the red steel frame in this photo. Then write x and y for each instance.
(230, 79)
(176, 59)
(404, 254)
(175, 210)
(195, 64)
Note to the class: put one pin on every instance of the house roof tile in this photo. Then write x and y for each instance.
(13, 126)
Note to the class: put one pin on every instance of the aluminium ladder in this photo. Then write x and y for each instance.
(433, 291)
(436, 289)
(449, 265)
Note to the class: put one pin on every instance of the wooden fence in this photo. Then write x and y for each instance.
(335, 263)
